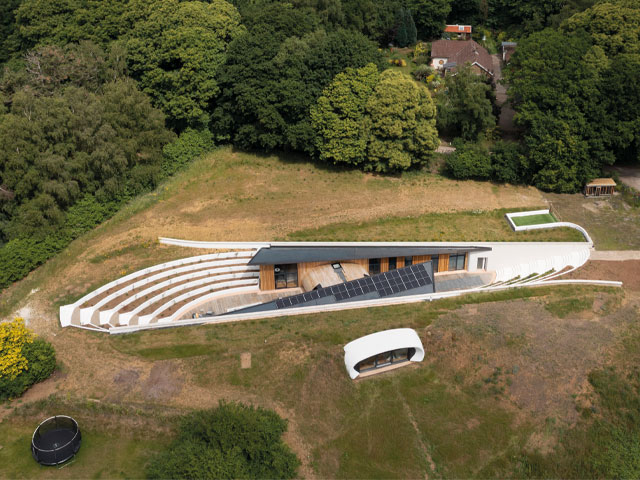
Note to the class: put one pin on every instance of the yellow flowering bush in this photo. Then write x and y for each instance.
(14, 336)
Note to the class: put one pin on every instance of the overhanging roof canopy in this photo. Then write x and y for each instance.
(276, 255)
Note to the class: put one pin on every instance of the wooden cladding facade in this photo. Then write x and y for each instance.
(267, 277)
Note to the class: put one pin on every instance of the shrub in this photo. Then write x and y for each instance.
(189, 145)
(230, 441)
(509, 163)
(35, 358)
(470, 160)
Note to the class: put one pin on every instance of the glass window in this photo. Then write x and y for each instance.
(366, 364)
(400, 355)
(383, 359)
(374, 266)
(434, 260)
(408, 261)
(393, 263)
(286, 275)
(456, 262)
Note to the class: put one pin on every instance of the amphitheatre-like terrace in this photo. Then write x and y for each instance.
(247, 280)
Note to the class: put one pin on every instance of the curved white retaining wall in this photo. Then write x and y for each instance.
(539, 226)
(90, 314)
(224, 286)
(108, 316)
(70, 312)
(212, 282)
(205, 298)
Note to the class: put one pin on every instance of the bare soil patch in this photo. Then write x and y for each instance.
(627, 272)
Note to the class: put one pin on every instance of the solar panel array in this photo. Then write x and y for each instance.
(387, 283)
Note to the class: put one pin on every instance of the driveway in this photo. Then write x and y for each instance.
(505, 122)
(628, 175)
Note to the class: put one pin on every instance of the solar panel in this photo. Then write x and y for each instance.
(386, 283)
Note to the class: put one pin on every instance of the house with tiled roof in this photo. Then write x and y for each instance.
(447, 55)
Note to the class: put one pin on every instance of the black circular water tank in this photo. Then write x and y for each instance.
(56, 440)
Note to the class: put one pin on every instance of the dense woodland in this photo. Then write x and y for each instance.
(100, 100)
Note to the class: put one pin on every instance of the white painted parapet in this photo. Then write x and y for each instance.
(540, 226)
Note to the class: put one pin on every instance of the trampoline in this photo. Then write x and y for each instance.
(56, 440)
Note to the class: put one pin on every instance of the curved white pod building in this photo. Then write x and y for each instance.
(380, 350)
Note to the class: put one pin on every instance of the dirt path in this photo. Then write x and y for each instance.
(423, 447)
(629, 176)
(615, 255)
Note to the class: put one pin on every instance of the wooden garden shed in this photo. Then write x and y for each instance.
(600, 187)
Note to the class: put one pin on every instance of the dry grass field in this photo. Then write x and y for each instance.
(504, 375)
(236, 196)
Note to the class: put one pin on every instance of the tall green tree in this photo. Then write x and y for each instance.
(430, 17)
(557, 96)
(44, 22)
(377, 122)
(465, 106)
(276, 71)
(176, 49)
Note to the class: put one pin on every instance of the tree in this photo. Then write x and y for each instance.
(430, 17)
(465, 106)
(527, 15)
(381, 122)
(24, 359)
(405, 28)
(8, 39)
(43, 22)
(276, 71)
(176, 50)
(230, 441)
(339, 117)
(557, 94)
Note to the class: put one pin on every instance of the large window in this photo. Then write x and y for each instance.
(385, 359)
(408, 261)
(393, 263)
(456, 262)
(286, 275)
(374, 266)
(434, 261)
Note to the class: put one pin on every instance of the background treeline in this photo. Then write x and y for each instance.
(100, 100)
(577, 102)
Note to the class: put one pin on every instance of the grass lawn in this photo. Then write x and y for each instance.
(534, 219)
(487, 226)
(115, 440)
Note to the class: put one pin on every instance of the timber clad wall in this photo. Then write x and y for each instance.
(443, 263)
(267, 278)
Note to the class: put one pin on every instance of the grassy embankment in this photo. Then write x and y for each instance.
(394, 425)
(534, 219)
